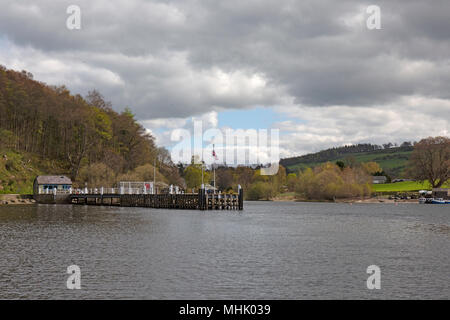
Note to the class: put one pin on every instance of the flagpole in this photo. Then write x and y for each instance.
(154, 176)
(202, 167)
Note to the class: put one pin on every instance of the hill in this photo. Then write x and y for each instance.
(47, 130)
(393, 160)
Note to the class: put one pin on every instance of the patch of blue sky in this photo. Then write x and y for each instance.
(5, 44)
(258, 118)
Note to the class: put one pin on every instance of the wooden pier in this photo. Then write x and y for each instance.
(193, 201)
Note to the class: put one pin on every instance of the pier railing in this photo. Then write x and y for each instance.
(111, 191)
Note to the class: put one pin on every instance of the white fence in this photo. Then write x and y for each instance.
(123, 190)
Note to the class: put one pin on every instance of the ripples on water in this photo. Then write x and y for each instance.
(281, 250)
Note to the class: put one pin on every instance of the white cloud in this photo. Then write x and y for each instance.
(409, 118)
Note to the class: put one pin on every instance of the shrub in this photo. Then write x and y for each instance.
(330, 181)
(259, 191)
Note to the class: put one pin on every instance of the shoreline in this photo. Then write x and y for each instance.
(348, 200)
(16, 199)
(26, 199)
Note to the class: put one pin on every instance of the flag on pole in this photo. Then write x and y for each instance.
(214, 154)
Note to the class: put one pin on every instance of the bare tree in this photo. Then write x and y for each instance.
(96, 99)
(430, 161)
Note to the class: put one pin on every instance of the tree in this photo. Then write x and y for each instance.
(430, 160)
(291, 181)
(193, 176)
(406, 144)
(329, 182)
(350, 161)
(371, 167)
(224, 178)
(164, 156)
(244, 176)
(259, 191)
(96, 99)
(96, 175)
(340, 164)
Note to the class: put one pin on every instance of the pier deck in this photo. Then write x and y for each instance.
(193, 201)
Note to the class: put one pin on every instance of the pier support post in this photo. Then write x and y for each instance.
(201, 198)
(240, 198)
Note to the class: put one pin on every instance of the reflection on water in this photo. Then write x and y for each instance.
(268, 251)
(441, 228)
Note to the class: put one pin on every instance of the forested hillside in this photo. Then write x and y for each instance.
(393, 159)
(49, 130)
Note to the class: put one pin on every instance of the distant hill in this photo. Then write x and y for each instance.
(393, 160)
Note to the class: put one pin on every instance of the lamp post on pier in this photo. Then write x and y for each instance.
(154, 176)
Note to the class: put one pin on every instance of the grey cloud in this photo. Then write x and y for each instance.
(174, 58)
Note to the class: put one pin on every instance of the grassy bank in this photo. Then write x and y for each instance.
(405, 186)
(18, 170)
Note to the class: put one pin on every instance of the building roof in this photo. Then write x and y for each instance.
(381, 178)
(53, 180)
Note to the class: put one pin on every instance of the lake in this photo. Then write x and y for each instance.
(271, 250)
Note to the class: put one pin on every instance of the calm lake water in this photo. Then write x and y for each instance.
(271, 250)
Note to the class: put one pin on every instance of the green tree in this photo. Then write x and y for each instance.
(340, 164)
(260, 191)
(193, 176)
(330, 182)
(291, 181)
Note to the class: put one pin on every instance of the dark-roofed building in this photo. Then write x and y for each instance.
(50, 184)
(379, 179)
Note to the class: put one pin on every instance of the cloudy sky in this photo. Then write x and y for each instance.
(310, 68)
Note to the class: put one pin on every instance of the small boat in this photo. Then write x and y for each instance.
(422, 200)
(439, 201)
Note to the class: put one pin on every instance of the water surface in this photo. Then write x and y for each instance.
(271, 250)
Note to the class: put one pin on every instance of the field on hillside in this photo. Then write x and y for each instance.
(393, 163)
(402, 186)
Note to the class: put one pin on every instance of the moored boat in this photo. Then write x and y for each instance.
(439, 201)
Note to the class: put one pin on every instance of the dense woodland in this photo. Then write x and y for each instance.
(76, 132)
